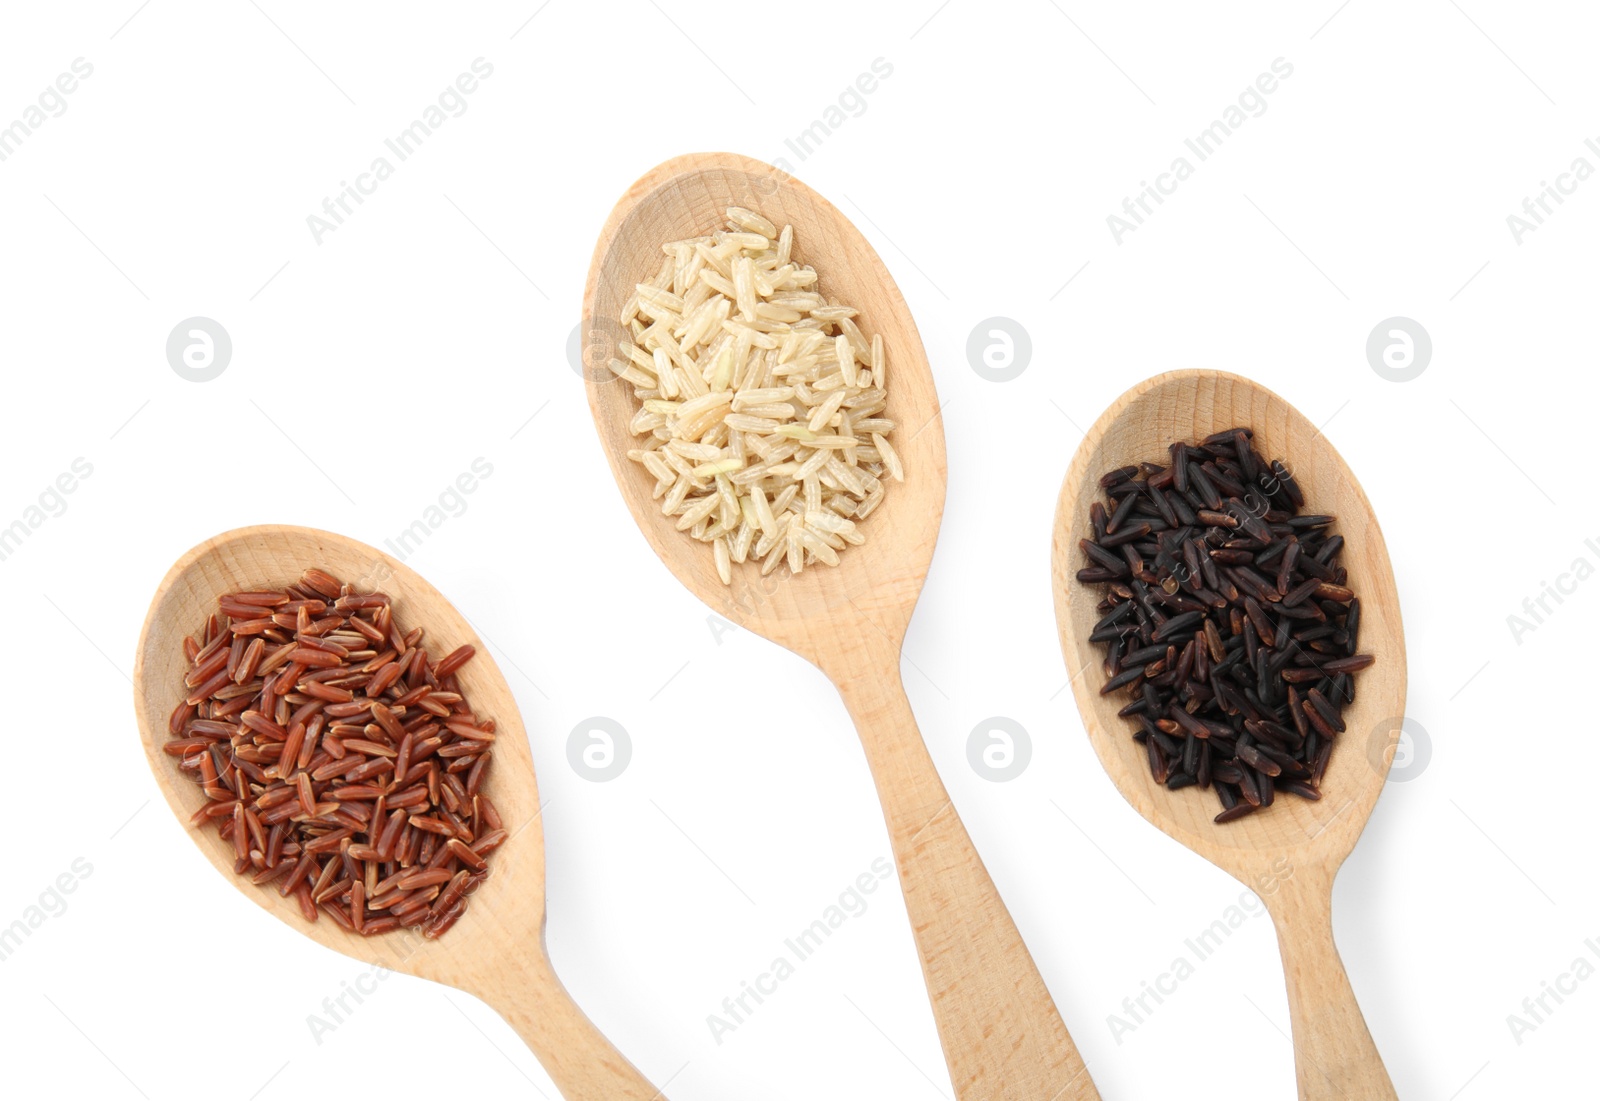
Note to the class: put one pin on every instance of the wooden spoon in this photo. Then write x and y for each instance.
(1002, 1036)
(496, 951)
(1290, 852)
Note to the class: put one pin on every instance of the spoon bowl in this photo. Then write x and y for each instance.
(1001, 1034)
(685, 198)
(496, 950)
(1289, 852)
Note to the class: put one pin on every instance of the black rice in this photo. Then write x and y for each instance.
(1228, 617)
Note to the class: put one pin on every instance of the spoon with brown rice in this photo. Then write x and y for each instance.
(776, 424)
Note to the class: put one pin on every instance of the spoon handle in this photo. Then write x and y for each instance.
(1334, 1055)
(584, 1065)
(1003, 1039)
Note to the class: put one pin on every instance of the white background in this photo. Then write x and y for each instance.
(371, 369)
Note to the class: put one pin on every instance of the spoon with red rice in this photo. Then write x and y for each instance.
(493, 948)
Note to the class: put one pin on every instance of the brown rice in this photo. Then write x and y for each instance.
(761, 401)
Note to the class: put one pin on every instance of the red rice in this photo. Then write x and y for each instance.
(332, 766)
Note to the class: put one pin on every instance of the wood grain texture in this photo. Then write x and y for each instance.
(496, 951)
(1296, 847)
(1002, 1037)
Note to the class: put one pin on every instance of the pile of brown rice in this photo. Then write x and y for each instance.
(762, 402)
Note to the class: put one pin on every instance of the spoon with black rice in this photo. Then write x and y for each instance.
(1229, 617)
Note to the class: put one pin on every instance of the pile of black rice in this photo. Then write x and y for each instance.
(1228, 620)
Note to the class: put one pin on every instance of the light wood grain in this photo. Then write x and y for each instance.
(496, 951)
(1290, 852)
(1003, 1039)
